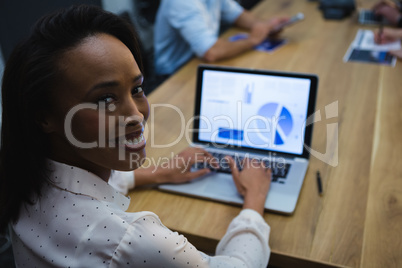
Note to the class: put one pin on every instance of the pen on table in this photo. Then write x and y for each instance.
(381, 27)
(319, 183)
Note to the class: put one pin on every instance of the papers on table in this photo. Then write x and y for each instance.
(364, 49)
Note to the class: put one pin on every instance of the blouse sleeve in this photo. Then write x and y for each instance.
(247, 239)
(148, 242)
(122, 181)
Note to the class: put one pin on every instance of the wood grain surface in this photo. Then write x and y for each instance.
(358, 220)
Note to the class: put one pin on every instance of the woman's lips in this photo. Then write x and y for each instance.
(134, 141)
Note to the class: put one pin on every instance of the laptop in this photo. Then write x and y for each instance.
(256, 114)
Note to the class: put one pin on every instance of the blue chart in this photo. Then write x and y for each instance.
(280, 119)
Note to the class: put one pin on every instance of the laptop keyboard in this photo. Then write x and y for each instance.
(279, 170)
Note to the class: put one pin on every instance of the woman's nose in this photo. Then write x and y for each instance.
(130, 113)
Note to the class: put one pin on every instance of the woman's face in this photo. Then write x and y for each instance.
(98, 109)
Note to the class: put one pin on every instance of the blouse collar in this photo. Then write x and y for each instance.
(82, 182)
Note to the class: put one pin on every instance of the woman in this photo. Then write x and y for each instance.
(74, 112)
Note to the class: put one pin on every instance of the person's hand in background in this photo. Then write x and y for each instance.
(262, 29)
(387, 35)
(389, 10)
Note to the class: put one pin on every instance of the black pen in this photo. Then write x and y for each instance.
(319, 183)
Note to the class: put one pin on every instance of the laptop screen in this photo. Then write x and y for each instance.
(253, 109)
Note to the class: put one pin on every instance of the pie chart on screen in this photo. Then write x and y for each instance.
(280, 119)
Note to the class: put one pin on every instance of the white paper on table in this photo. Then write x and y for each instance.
(365, 40)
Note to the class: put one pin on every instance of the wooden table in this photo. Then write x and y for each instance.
(358, 220)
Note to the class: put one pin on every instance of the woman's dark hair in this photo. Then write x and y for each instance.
(30, 74)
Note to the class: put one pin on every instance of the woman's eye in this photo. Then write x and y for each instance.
(106, 99)
(137, 90)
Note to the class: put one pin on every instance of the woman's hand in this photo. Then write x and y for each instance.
(252, 182)
(177, 170)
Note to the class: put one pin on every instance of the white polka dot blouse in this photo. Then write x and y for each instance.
(80, 221)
